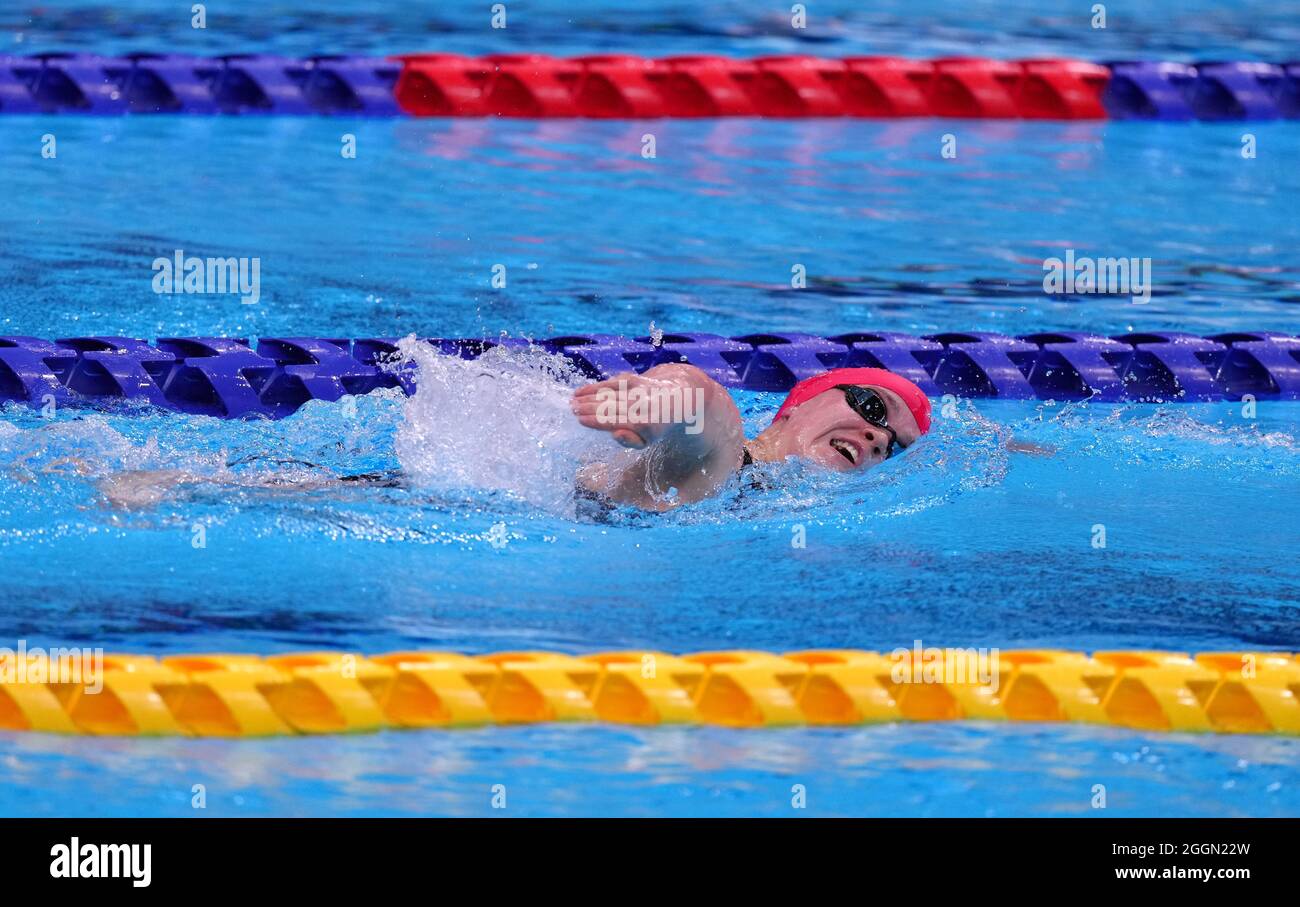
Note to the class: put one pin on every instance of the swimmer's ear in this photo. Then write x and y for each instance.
(629, 438)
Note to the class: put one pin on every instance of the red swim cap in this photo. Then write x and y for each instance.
(913, 397)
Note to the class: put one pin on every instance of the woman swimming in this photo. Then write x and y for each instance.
(688, 434)
(682, 431)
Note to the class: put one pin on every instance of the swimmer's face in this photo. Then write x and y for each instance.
(827, 431)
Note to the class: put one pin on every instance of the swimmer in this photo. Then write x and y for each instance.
(688, 430)
(683, 443)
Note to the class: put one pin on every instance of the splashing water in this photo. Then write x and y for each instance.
(499, 423)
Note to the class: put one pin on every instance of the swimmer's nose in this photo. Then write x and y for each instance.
(876, 443)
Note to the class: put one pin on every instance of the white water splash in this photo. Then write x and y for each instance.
(497, 423)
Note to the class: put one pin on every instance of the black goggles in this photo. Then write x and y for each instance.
(871, 407)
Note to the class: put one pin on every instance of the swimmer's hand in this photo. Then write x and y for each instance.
(636, 410)
(677, 413)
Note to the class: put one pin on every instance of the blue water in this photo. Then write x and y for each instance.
(957, 543)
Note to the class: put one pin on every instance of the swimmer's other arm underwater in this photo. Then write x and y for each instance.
(690, 438)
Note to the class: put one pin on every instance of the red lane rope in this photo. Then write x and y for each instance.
(620, 86)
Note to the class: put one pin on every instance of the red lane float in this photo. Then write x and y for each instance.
(789, 86)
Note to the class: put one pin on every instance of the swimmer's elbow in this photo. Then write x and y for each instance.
(683, 375)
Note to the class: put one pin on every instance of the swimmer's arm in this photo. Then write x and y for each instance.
(693, 446)
(144, 489)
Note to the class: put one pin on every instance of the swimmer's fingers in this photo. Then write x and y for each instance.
(624, 436)
(588, 412)
(594, 411)
(621, 392)
(597, 389)
(622, 432)
(622, 405)
(585, 400)
(598, 398)
(629, 438)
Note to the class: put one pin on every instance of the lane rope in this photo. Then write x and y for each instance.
(231, 377)
(626, 86)
(333, 692)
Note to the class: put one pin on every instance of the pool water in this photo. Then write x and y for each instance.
(957, 543)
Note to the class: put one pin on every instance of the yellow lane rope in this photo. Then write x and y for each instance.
(330, 692)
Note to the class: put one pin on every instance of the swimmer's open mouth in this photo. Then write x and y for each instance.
(847, 451)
